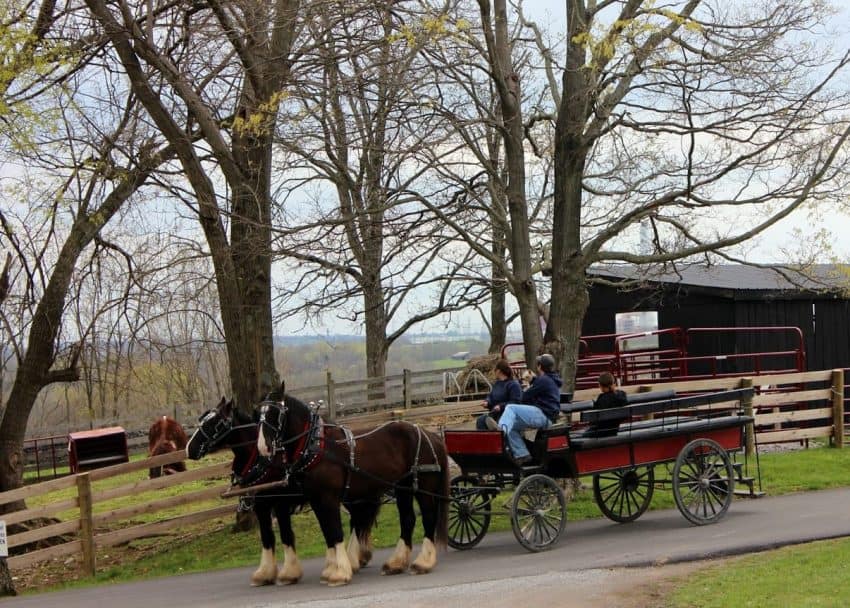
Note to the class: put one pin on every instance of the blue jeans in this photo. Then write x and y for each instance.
(517, 418)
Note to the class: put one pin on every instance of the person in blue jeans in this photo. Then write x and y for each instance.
(505, 390)
(541, 406)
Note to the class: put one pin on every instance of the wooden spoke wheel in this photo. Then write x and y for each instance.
(625, 494)
(538, 512)
(703, 481)
(469, 512)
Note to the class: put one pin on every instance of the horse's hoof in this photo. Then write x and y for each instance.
(417, 569)
(389, 570)
(262, 582)
(287, 580)
(338, 582)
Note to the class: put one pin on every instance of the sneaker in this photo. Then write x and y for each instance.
(492, 424)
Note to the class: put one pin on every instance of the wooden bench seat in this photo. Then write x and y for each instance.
(664, 405)
(672, 428)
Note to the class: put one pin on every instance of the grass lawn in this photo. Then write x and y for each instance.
(800, 576)
(212, 545)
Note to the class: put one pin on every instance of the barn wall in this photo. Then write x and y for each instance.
(825, 323)
(828, 346)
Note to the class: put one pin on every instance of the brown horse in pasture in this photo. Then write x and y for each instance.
(166, 436)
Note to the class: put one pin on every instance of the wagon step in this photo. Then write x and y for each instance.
(748, 493)
(749, 482)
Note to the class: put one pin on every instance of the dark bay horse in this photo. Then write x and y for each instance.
(332, 465)
(166, 436)
(226, 427)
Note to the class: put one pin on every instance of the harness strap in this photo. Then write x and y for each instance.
(349, 439)
(425, 468)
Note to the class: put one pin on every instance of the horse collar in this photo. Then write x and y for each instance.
(309, 447)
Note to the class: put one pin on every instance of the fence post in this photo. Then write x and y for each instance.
(84, 501)
(408, 390)
(838, 407)
(331, 397)
(747, 406)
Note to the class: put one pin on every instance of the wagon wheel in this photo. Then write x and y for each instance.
(469, 512)
(703, 481)
(538, 512)
(624, 495)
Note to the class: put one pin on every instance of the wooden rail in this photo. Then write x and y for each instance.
(83, 521)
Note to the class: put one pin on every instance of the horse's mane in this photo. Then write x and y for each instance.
(241, 418)
(279, 395)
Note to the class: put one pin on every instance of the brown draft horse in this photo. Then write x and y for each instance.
(226, 427)
(331, 466)
(166, 436)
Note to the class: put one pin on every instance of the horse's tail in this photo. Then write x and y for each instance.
(441, 532)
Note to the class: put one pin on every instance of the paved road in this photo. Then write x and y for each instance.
(585, 549)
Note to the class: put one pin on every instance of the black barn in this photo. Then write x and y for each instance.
(732, 296)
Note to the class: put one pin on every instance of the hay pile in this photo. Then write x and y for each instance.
(470, 378)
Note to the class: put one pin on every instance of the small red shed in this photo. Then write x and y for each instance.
(97, 448)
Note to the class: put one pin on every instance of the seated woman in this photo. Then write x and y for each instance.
(540, 407)
(505, 390)
(609, 397)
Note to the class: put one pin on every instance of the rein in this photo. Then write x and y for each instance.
(225, 427)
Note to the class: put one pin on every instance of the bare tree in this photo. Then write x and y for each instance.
(483, 63)
(218, 69)
(686, 118)
(47, 220)
(680, 117)
(364, 132)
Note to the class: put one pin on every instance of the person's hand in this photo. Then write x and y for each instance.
(484, 404)
(496, 409)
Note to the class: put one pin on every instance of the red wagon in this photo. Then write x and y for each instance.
(694, 436)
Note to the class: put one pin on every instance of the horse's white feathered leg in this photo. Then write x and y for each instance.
(266, 573)
(399, 560)
(292, 571)
(330, 558)
(427, 558)
(353, 551)
(341, 574)
(366, 550)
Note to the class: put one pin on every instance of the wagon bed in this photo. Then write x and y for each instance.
(696, 434)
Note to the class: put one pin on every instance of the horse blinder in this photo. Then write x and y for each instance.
(277, 443)
(214, 436)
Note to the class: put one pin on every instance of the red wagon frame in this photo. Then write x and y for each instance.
(696, 434)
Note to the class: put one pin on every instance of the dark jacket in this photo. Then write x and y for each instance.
(545, 393)
(504, 391)
(607, 428)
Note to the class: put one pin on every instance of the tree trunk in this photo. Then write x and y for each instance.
(569, 290)
(253, 374)
(498, 323)
(563, 331)
(509, 92)
(7, 587)
(570, 298)
(376, 337)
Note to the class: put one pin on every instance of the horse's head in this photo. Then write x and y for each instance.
(282, 420)
(213, 428)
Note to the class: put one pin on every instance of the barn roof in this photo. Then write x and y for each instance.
(737, 277)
